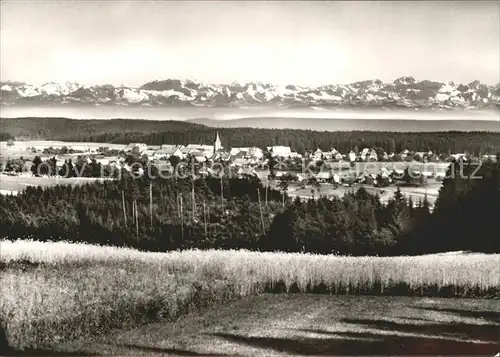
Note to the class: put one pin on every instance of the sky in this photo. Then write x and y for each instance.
(304, 43)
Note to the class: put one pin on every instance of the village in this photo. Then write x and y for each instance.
(235, 157)
(309, 174)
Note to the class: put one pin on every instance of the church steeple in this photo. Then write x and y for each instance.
(217, 143)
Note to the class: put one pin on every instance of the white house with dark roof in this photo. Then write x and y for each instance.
(300, 177)
(323, 176)
(404, 153)
(187, 151)
(440, 175)
(200, 147)
(459, 156)
(241, 162)
(428, 174)
(255, 153)
(138, 148)
(246, 171)
(149, 153)
(490, 157)
(168, 150)
(317, 155)
(295, 155)
(372, 156)
(385, 173)
(199, 157)
(235, 151)
(367, 177)
(281, 151)
(337, 156)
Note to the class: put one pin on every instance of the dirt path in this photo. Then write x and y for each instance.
(315, 325)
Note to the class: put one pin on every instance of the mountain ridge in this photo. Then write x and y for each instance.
(402, 93)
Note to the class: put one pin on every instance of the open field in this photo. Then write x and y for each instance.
(272, 324)
(43, 144)
(57, 292)
(376, 166)
(16, 184)
(20, 148)
(416, 193)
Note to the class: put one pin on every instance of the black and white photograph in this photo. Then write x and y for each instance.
(249, 178)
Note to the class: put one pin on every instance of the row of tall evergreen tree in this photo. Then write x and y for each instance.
(4, 136)
(177, 132)
(476, 143)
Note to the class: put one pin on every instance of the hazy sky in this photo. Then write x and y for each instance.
(308, 43)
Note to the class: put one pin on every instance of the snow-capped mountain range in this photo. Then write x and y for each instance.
(404, 92)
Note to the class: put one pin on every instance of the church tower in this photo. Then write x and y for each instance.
(217, 143)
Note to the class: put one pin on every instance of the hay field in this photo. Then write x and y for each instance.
(16, 184)
(23, 148)
(53, 292)
(21, 145)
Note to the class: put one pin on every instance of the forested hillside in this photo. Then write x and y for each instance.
(65, 129)
(6, 136)
(123, 131)
(186, 214)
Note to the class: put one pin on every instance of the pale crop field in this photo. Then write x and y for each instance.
(17, 184)
(21, 145)
(52, 292)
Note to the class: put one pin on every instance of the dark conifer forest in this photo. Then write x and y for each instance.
(123, 131)
(166, 213)
(242, 213)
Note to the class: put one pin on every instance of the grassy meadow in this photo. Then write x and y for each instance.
(312, 324)
(55, 291)
(23, 147)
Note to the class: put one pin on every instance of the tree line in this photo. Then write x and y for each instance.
(307, 140)
(121, 131)
(164, 214)
(6, 136)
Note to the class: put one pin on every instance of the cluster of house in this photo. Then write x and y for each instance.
(366, 177)
(253, 156)
(247, 158)
(370, 154)
(242, 156)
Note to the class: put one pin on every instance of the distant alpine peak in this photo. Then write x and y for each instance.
(408, 81)
(403, 92)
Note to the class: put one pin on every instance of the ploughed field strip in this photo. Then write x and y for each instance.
(306, 324)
